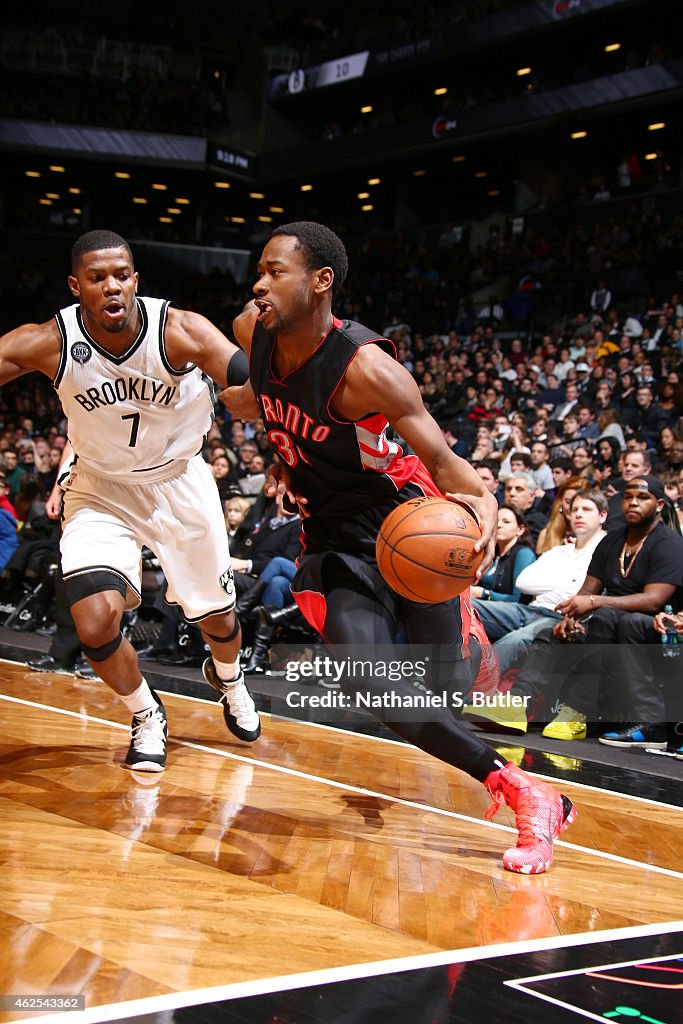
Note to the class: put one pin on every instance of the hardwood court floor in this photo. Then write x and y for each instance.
(311, 849)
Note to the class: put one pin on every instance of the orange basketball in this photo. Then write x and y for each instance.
(425, 549)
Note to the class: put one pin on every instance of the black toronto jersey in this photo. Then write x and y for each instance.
(341, 467)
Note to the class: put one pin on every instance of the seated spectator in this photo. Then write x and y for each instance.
(570, 436)
(5, 502)
(588, 426)
(13, 471)
(606, 459)
(634, 463)
(520, 492)
(558, 528)
(224, 475)
(236, 509)
(609, 424)
(277, 533)
(540, 470)
(673, 488)
(556, 575)
(647, 418)
(633, 574)
(488, 471)
(561, 468)
(30, 500)
(252, 483)
(668, 437)
(8, 545)
(582, 461)
(513, 553)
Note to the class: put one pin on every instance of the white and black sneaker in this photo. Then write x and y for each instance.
(239, 711)
(148, 732)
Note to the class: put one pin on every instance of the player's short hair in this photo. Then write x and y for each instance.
(92, 241)
(321, 248)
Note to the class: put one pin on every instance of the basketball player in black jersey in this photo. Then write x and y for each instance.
(327, 391)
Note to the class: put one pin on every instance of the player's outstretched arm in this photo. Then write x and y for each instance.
(30, 347)
(191, 338)
(241, 401)
(376, 383)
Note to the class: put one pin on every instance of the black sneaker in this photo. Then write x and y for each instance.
(148, 732)
(46, 663)
(637, 736)
(239, 710)
(83, 669)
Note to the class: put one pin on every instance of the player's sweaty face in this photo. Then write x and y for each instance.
(284, 285)
(105, 284)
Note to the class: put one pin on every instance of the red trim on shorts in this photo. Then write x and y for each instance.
(313, 607)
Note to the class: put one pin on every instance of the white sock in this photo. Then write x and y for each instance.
(228, 673)
(139, 700)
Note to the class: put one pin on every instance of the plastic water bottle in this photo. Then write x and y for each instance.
(670, 645)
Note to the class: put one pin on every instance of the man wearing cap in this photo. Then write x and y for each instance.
(632, 575)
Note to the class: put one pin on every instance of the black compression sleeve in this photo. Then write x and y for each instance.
(238, 369)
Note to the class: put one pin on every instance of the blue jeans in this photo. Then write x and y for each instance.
(277, 576)
(513, 627)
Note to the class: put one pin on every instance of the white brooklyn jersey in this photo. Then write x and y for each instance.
(133, 414)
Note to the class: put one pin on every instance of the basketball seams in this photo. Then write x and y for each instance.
(405, 570)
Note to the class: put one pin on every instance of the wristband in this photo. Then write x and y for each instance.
(238, 368)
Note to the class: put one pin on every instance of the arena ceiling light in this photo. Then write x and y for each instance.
(579, 135)
(123, 175)
(612, 47)
(182, 202)
(367, 207)
(306, 188)
(158, 187)
(221, 184)
(656, 126)
(276, 209)
(374, 181)
(45, 202)
(265, 219)
(441, 91)
(481, 174)
(57, 168)
(140, 200)
(32, 174)
(174, 210)
(366, 109)
(520, 72)
(53, 195)
(363, 195)
(256, 195)
(237, 220)
(651, 156)
(459, 158)
(75, 191)
(419, 174)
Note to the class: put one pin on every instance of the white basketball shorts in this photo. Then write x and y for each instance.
(179, 518)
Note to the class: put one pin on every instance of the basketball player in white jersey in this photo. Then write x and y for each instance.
(129, 372)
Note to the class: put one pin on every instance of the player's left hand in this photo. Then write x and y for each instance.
(485, 508)
(241, 401)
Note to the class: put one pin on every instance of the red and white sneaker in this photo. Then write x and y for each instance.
(541, 814)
